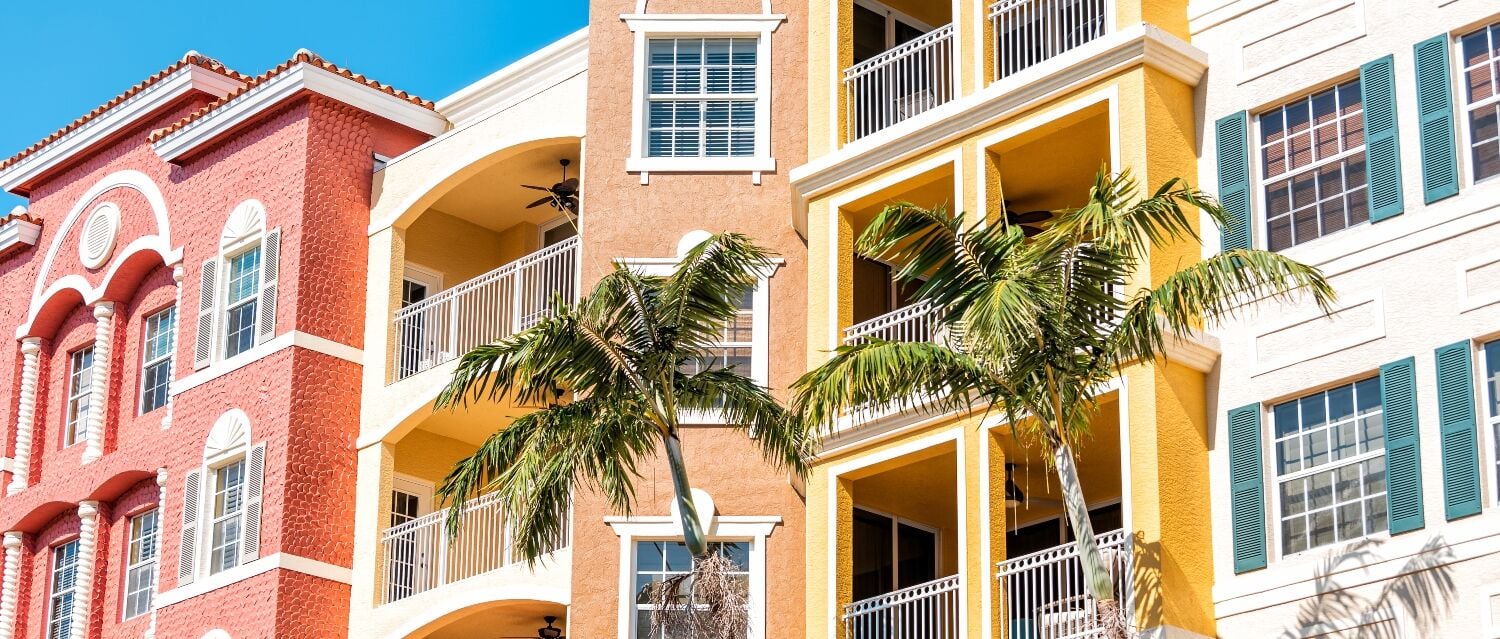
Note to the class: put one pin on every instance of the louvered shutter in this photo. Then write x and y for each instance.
(1377, 82)
(1247, 506)
(192, 507)
(1231, 138)
(1403, 451)
(270, 269)
(255, 468)
(1435, 110)
(208, 285)
(1457, 425)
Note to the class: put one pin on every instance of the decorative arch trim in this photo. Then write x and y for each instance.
(146, 244)
(246, 221)
(471, 598)
(230, 434)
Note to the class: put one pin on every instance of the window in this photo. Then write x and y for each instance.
(156, 359)
(878, 28)
(657, 561)
(1481, 71)
(701, 97)
(243, 298)
(1313, 166)
(64, 582)
(1330, 466)
(80, 384)
(140, 567)
(736, 347)
(1492, 403)
(891, 553)
(228, 508)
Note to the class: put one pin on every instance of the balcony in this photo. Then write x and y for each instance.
(419, 555)
(923, 611)
(1029, 32)
(915, 323)
(900, 83)
(1044, 595)
(484, 309)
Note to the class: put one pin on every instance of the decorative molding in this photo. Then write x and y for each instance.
(247, 220)
(20, 475)
(161, 500)
(100, 233)
(104, 336)
(303, 77)
(1198, 351)
(518, 81)
(83, 594)
(10, 590)
(1336, 338)
(280, 560)
(189, 78)
(17, 234)
(265, 349)
(230, 434)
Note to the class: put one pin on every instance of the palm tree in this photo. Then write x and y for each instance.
(634, 354)
(1035, 324)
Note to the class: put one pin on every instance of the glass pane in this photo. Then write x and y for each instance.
(1315, 448)
(1345, 442)
(1285, 416)
(1320, 494)
(1341, 403)
(1294, 535)
(678, 557)
(1322, 528)
(1289, 455)
(1351, 521)
(1348, 484)
(1293, 497)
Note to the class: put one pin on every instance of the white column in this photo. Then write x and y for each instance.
(104, 333)
(10, 588)
(31, 349)
(166, 422)
(161, 505)
(83, 596)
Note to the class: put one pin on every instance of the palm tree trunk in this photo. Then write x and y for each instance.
(1095, 574)
(692, 530)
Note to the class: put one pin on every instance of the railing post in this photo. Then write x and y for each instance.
(442, 558)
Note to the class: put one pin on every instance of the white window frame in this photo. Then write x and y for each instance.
(892, 15)
(1273, 480)
(1490, 437)
(76, 423)
(646, 27)
(144, 563)
(166, 358)
(1462, 107)
(225, 306)
(210, 520)
(1262, 231)
(896, 522)
(666, 528)
(53, 593)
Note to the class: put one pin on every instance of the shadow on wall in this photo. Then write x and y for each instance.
(1422, 592)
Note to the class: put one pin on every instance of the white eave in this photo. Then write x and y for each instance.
(17, 234)
(302, 77)
(519, 80)
(189, 78)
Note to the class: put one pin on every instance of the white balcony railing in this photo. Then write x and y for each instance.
(420, 555)
(490, 307)
(923, 611)
(1045, 596)
(1028, 32)
(901, 82)
(914, 323)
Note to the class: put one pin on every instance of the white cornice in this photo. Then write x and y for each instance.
(190, 77)
(302, 77)
(1139, 44)
(1198, 351)
(519, 80)
(261, 351)
(17, 233)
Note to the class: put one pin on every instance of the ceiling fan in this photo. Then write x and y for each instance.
(1028, 221)
(549, 632)
(562, 196)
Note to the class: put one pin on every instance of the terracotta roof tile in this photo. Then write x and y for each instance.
(19, 213)
(191, 58)
(303, 56)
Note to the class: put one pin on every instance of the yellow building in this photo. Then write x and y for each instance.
(937, 523)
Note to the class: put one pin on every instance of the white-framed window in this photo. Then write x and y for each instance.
(241, 302)
(1492, 409)
(877, 28)
(701, 87)
(1312, 166)
(156, 358)
(140, 563)
(222, 502)
(1328, 449)
(227, 516)
(657, 561)
(1479, 64)
(80, 385)
(63, 586)
(651, 550)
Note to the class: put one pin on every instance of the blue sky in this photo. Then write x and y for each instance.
(65, 58)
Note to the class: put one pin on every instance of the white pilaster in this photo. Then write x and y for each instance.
(104, 333)
(31, 349)
(10, 587)
(83, 595)
(161, 502)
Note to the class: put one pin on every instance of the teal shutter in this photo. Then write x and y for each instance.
(1457, 429)
(1435, 111)
(1247, 505)
(1403, 451)
(1231, 137)
(1377, 82)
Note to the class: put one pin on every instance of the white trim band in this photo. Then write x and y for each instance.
(266, 349)
(280, 560)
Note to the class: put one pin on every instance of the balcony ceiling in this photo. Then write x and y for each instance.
(503, 619)
(494, 198)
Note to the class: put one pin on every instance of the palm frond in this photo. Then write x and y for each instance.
(904, 375)
(783, 442)
(703, 293)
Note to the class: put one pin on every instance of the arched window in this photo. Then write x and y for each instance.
(237, 290)
(221, 503)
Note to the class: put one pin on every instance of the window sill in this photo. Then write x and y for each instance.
(700, 165)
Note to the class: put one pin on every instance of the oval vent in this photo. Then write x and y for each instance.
(99, 234)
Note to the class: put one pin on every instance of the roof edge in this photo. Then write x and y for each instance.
(543, 68)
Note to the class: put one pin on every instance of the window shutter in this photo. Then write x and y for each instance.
(270, 268)
(187, 556)
(1247, 504)
(1377, 85)
(1403, 452)
(1457, 429)
(208, 284)
(255, 467)
(1435, 110)
(1231, 137)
